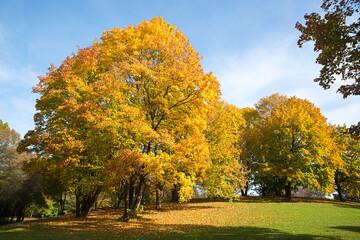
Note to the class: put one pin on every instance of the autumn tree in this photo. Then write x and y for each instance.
(82, 121)
(264, 183)
(165, 81)
(347, 175)
(226, 175)
(265, 105)
(337, 39)
(136, 98)
(248, 158)
(296, 146)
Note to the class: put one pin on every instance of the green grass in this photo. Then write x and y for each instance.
(250, 218)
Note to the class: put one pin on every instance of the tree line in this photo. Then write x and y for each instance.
(135, 114)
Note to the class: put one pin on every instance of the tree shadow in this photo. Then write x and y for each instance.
(348, 228)
(107, 226)
(210, 232)
(148, 230)
(170, 206)
(104, 224)
(260, 199)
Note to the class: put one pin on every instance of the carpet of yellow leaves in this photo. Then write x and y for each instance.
(174, 218)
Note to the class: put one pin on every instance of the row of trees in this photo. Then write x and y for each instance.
(281, 146)
(136, 114)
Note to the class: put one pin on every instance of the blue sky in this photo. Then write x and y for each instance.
(249, 45)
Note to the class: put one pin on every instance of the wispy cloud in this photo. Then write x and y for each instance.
(17, 103)
(278, 65)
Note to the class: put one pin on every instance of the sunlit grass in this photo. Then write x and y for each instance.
(250, 218)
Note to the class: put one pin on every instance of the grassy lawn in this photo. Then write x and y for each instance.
(250, 218)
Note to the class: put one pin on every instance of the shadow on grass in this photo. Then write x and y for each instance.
(170, 206)
(258, 199)
(148, 230)
(348, 228)
(243, 233)
(104, 224)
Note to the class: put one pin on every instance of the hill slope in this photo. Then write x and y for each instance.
(250, 218)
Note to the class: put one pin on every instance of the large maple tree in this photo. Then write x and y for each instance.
(137, 100)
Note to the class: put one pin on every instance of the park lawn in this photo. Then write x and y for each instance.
(249, 218)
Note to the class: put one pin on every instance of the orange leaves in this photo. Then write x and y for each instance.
(134, 103)
(163, 78)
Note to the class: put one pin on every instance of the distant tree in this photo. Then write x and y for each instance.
(9, 140)
(347, 175)
(17, 190)
(265, 105)
(308, 193)
(295, 146)
(337, 39)
(263, 183)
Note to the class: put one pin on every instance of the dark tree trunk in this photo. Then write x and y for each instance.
(244, 192)
(62, 201)
(175, 193)
(287, 188)
(159, 196)
(339, 188)
(120, 194)
(139, 195)
(84, 202)
(126, 200)
(77, 205)
(20, 214)
(131, 192)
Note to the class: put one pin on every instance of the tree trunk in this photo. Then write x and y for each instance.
(126, 200)
(77, 206)
(287, 188)
(339, 189)
(139, 195)
(62, 202)
(84, 202)
(20, 214)
(159, 195)
(120, 192)
(131, 192)
(175, 193)
(244, 192)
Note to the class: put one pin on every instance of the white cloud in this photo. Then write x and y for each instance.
(348, 114)
(17, 103)
(280, 66)
(23, 75)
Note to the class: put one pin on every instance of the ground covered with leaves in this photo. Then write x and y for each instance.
(248, 218)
